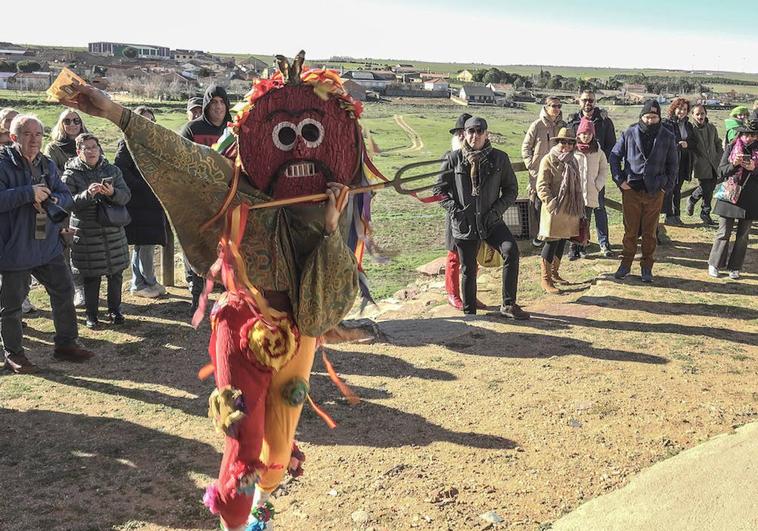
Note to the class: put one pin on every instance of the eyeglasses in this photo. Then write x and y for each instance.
(69, 121)
(587, 100)
(475, 130)
(567, 142)
(555, 105)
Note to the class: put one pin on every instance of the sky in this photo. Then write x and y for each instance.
(675, 34)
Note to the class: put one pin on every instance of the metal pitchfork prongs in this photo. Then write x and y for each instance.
(398, 183)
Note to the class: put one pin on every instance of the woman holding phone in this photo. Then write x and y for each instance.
(97, 250)
(739, 171)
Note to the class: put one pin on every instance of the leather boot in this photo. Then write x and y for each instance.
(554, 271)
(547, 279)
(452, 280)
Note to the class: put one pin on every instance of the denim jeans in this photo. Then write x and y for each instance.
(601, 220)
(143, 267)
(14, 285)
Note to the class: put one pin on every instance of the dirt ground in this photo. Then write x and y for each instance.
(459, 417)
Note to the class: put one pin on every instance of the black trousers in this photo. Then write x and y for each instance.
(92, 294)
(500, 238)
(672, 201)
(553, 249)
(704, 192)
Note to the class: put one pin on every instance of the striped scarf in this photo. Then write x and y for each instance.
(475, 159)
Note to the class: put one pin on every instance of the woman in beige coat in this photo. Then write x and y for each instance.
(559, 188)
(593, 169)
(537, 143)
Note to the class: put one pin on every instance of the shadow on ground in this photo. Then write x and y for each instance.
(97, 473)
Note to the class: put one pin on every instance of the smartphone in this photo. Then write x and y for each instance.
(108, 181)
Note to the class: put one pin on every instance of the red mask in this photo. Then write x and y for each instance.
(293, 143)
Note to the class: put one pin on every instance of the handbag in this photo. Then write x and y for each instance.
(110, 215)
(487, 256)
(730, 190)
(583, 237)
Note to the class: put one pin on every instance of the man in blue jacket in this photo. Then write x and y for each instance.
(650, 167)
(30, 243)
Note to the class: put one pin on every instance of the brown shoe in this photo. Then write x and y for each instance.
(514, 311)
(73, 353)
(19, 364)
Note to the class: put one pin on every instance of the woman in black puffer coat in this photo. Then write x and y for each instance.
(97, 250)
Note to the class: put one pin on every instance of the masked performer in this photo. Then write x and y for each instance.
(289, 271)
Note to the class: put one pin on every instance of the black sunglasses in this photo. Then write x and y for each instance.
(69, 121)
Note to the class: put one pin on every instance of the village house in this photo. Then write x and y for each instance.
(426, 76)
(477, 94)
(436, 84)
(371, 79)
(501, 89)
(355, 90)
(116, 49)
(30, 81)
(465, 76)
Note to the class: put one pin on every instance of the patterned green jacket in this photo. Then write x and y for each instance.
(284, 248)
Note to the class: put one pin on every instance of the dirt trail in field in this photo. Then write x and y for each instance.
(417, 144)
(462, 422)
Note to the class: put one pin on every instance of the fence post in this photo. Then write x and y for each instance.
(167, 259)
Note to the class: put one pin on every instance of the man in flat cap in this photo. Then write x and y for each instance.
(478, 185)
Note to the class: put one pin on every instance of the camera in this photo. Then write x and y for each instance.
(55, 213)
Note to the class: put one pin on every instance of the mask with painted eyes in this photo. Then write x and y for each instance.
(293, 143)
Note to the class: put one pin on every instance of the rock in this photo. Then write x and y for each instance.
(433, 268)
(406, 293)
(575, 423)
(360, 517)
(333, 493)
(492, 517)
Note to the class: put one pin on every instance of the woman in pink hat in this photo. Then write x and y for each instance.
(593, 170)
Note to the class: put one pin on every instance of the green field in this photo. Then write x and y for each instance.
(407, 231)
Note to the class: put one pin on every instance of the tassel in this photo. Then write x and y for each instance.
(205, 372)
(323, 414)
(348, 393)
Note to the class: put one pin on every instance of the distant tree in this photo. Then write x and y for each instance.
(6, 66)
(130, 52)
(478, 75)
(28, 66)
(204, 72)
(555, 82)
(493, 75)
(613, 84)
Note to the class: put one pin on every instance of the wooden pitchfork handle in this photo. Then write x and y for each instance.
(313, 198)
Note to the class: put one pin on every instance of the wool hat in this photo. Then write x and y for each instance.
(586, 126)
(650, 107)
(460, 123)
(476, 121)
(749, 127)
(194, 102)
(738, 111)
(565, 133)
